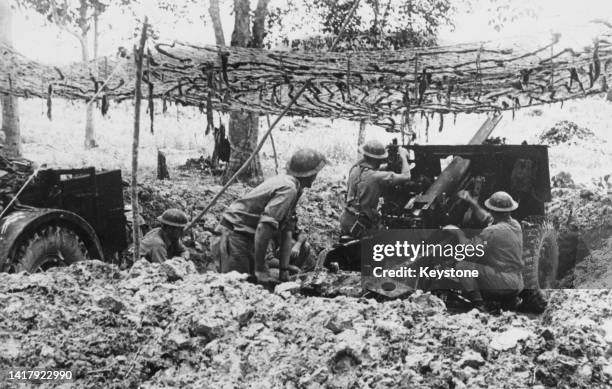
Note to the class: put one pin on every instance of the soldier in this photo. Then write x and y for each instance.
(365, 186)
(500, 270)
(249, 224)
(164, 242)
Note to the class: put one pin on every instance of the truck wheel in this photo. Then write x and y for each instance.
(541, 255)
(50, 246)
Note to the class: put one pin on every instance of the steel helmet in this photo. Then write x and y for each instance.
(173, 217)
(374, 149)
(305, 163)
(501, 202)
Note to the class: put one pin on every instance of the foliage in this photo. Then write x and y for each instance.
(377, 24)
(74, 16)
(507, 11)
(164, 12)
(504, 12)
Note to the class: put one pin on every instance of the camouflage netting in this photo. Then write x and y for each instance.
(354, 85)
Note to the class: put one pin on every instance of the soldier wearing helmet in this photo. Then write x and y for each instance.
(500, 275)
(267, 212)
(164, 242)
(366, 182)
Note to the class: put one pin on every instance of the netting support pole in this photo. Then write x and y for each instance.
(135, 140)
(269, 131)
(273, 147)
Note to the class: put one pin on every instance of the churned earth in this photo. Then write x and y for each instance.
(169, 326)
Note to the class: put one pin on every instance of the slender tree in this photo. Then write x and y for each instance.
(215, 16)
(243, 128)
(76, 17)
(10, 107)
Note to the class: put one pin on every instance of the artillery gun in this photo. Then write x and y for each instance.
(56, 217)
(431, 202)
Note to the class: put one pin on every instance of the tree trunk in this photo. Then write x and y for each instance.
(361, 134)
(10, 105)
(243, 128)
(162, 166)
(259, 23)
(242, 133)
(90, 135)
(96, 37)
(215, 16)
(242, 33)
(10, 126)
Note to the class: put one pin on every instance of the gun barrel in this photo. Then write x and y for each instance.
(448, 180)
(485, 130)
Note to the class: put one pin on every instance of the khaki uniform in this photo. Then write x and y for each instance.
(272, 202)
(305, 260)
(156, 247)
(364, 189)
(500, 270)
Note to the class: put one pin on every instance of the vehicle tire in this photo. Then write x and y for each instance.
(541, 255)
(51, 246)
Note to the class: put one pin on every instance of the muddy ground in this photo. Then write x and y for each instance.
(169, 326)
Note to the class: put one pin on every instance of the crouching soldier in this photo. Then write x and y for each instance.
(366, 182)
(164, 242)
(249, 224)
(500, 269)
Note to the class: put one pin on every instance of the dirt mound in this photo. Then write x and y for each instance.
(584, 209)
(595, 271)
(567, 132)
(318, 210)
(168, 326)
(584, 220)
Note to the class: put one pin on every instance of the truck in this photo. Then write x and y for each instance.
(55, 217)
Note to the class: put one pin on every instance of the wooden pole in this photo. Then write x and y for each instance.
(361, 134)
(273, 147)
(269, 131)
(138, 97)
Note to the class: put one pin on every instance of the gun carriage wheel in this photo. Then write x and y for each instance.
(541, 255)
